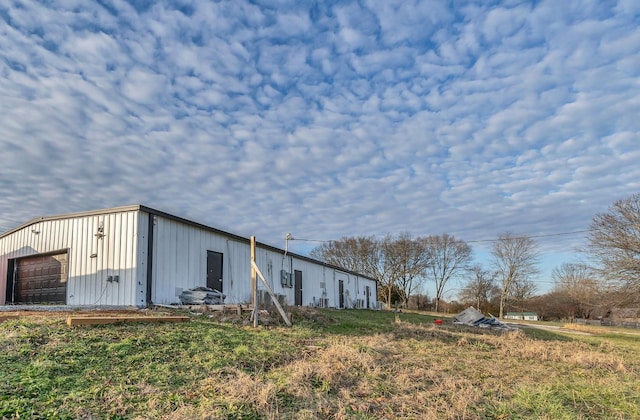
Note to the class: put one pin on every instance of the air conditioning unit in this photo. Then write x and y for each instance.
(262, 296)
(320, 302)
(265, 301)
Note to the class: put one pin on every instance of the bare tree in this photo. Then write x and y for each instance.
(614, 241)
(360, 254)
(521, 293)
(406, 259)
(420, 301)
(552, 306)
(481, 289)
(398, 264)
(448, 259)
(577, 282)
(365, 255)
(515, 261)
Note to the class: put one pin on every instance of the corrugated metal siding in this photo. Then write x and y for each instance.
(141, 250)
(180, 261)
(318, 281)
(271, 263)
(3, 278)
(115, 255)
(351, 290)
(314, 276)
(178, 257)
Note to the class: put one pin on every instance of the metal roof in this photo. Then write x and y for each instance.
(140, 207)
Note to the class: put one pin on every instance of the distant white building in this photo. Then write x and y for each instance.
(522, 316)
(137, 256)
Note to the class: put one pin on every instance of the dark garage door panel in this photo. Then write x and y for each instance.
(42, 279)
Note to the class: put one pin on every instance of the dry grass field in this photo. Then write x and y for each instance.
(329, 365)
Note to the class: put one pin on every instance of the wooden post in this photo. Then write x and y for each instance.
(255, 272)
(254, 283)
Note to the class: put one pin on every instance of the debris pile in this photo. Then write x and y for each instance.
(202, 296)
(473, 317)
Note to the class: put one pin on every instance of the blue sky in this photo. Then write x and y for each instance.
(325, 119)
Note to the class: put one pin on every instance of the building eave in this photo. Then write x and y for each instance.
(160, 213)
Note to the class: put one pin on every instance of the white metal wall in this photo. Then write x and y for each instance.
(92, 259)
(180, 263)
(142, 250)
(318, 281)
(271, 264)
(321, 283)
(179, 258)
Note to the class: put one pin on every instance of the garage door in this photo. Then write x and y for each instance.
(41, 279)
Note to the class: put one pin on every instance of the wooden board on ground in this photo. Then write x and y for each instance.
(7, 317)
(223, 308)
(94, 320)
(210, 308)
(230, 307)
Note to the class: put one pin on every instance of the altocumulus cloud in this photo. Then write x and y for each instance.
(325, 120)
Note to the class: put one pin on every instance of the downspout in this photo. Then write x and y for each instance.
(152, 220)
(13, 283)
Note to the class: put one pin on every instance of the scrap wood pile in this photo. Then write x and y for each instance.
(202, 296)
(473, 317)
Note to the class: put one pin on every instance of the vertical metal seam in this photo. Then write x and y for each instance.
(150, 258)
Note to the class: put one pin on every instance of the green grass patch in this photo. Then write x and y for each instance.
(540, 334)
(331, 364)
(365, 322)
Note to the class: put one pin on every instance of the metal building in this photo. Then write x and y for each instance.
(137, 256)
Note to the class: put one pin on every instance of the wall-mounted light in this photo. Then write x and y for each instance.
(100, 234)
(35, 232)
(288, 237)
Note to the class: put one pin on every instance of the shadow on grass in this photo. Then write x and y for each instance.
(358, 322)
(546, 335)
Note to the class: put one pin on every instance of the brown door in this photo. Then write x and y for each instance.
(214, 270)
(298, 287)
(41, 279)
(341, 293)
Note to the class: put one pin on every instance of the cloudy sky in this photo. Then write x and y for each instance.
(325, 119)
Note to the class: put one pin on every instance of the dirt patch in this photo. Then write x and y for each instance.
(229, 316)
(271, 317)
(61, 314)
(555, 328)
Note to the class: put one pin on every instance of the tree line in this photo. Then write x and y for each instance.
(403, 263)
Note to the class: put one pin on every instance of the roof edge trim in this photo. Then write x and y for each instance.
(152, 211)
